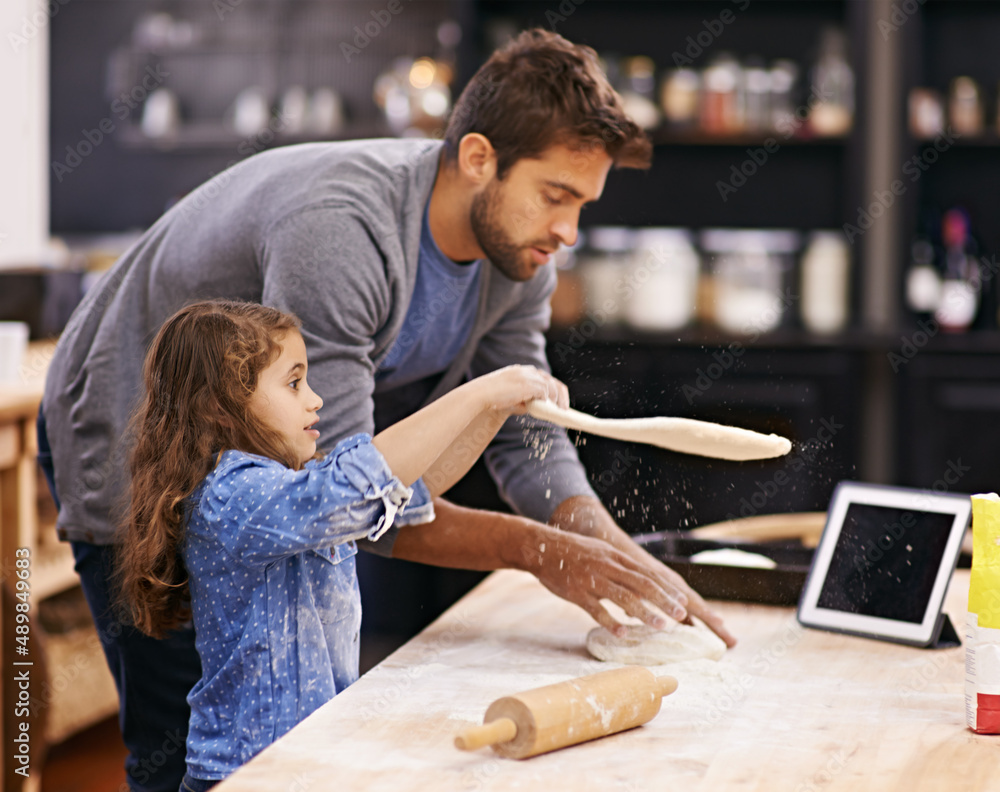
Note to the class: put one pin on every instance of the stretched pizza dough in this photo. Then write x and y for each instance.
(646, 646)
(676, 434)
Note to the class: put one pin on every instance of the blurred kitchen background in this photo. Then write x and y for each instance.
(813, 251)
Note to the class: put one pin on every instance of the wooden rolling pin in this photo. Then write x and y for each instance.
(568, 713)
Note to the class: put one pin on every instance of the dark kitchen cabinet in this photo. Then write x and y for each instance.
(809, 395)
(950, 402)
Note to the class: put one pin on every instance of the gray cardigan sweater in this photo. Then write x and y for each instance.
(330, 232)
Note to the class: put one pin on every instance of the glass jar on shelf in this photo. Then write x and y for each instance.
(638, 91)
(603, 266)
(783, 75)
(722, 96)
(965, 109)
(750, 269)
(680, 97)
(568, 302)
(825, 272)
(757, 96)
(662, 283)
(832, 86)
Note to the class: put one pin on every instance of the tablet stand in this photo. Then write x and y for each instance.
(946, 635)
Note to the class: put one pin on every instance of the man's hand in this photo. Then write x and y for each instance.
(585, 570)
(587, 517)
(582, 566)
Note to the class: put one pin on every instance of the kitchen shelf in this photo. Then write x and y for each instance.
(216, 135)
(972, 342)
(985, 140)
(667, 136)
(707, 336)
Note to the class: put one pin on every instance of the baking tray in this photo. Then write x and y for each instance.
(779, 586)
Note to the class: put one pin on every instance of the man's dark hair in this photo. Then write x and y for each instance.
(540, 90)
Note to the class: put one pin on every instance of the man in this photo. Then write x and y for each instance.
(413, 265)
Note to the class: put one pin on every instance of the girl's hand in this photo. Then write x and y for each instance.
(508, 390)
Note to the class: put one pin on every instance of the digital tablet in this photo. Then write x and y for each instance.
(884, 561)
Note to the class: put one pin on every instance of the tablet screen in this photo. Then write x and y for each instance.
(886, 561)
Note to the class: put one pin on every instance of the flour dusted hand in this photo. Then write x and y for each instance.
(586, 570)
(509, 389)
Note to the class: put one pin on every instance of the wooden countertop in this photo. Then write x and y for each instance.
(789, 709)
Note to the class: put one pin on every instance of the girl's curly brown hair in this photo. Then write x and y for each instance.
(199, 374)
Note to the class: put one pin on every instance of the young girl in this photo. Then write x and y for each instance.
(236, 521)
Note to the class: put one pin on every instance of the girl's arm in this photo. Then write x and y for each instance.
(443, 439)
(462, 454)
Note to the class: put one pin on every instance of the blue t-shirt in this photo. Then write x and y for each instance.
(439, 318)
(274, 592)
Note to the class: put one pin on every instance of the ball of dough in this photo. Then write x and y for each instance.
(731, 556)
(643, 645)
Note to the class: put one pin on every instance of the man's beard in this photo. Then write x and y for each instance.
(498, 247)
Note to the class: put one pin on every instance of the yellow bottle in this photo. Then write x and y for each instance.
(982, 628)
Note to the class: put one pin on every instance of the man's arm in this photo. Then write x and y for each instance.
(581, 569)
(588, 517)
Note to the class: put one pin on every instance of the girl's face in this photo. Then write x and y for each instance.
(285, 402)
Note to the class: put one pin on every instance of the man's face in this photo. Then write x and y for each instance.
(520, 221)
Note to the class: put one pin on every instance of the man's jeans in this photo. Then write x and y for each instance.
(153, 676)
